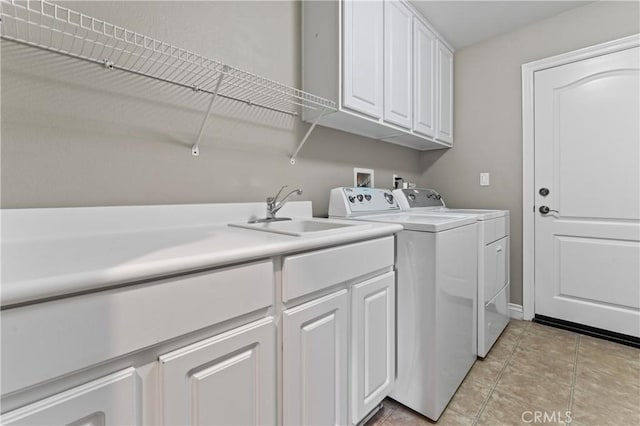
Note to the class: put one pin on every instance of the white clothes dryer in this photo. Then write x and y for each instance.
(493, 259)
(436, 295)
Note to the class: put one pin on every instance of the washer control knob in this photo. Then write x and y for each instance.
(367, 197)
(388, 197)
(352, 199)
(360, 197)
(412, 197)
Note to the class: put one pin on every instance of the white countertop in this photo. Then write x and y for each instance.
(62, 263)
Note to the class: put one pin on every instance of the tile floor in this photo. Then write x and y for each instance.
(532, 368)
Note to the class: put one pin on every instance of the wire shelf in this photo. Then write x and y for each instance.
(48, 26)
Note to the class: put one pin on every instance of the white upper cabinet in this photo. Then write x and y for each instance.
(424, 78)
(445, 94)
(391, 73)
(363, 56)
(398, 63)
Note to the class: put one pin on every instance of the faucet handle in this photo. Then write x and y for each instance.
(278, 194)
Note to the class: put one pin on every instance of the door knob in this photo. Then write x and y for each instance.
(546, 210)
(544, 192)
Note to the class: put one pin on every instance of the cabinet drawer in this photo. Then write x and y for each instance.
(495, 229)
(309, 272)
(47, 340)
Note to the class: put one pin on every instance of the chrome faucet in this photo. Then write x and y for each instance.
(273, 205)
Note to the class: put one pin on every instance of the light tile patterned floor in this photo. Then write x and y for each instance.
(534, 368)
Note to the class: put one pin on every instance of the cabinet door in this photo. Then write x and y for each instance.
(111, 400)
(228, 379)
(373, 343)
(398, 63)
(362, 60)
(315, 362)
(445, 94)
(424, 78)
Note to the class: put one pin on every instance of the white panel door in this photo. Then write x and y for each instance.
(424, 79)
(587, 136)
(398, 64)
(363, 56)
(113, 400)
(315, 362)
(444, 62)
(227, 379)
(373, 343)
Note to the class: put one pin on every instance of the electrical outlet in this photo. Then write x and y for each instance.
(484, 179)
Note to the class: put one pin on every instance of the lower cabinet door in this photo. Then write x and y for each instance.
(373, 343)
(315, 362)
(111, 400)
(228, 379)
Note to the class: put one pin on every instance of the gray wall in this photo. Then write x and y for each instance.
(488, 100)
(75, 134)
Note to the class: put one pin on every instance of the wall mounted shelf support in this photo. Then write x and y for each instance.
(195, 149)
(292, 160)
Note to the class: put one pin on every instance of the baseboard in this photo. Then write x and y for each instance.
(515, 311)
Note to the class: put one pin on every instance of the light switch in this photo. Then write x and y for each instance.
(484, 179)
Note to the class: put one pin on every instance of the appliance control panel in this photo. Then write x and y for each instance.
(415, 197)
(347, 202)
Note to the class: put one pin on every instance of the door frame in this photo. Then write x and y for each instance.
(528, 138)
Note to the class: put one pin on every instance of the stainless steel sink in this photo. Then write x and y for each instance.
(300, 227)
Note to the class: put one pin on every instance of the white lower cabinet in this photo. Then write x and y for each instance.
(372, 343)
(315, 363)
(111, 400)
(336, 320)
(229, 379)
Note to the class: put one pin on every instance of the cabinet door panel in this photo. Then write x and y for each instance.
(224, 380)
(362, 60)
(372, 343)
(424, 110)
(398, 63)
(111, 400)
(315, 362)
(445, 94)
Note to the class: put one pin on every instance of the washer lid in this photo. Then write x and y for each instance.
(422, 222)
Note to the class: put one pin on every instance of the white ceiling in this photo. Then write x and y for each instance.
(463, 23)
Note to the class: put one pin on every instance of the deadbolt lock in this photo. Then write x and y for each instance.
(544, 192)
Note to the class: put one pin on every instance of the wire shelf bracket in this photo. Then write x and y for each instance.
(292, 160)
(195, 149)
(48, 26)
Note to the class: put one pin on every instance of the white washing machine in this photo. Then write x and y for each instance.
(436, 295)
(493, 259)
